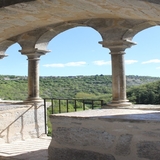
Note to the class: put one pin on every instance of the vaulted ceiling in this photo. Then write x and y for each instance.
(44, 19)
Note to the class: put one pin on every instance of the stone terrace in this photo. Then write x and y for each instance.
(31, 149)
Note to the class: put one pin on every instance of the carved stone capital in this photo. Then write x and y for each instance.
(34, 53)
(3, 55)
(117, 47)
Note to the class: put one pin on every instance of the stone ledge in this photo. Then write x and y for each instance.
(135, 106)
(114, 115)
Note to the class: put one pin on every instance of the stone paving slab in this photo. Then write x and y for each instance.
(31, 149)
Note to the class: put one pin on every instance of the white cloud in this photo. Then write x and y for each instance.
(82, 63)
(152, 61)
(74, 64)
(158, 68)
(102, 62)
(70, 64)
(130, 61)
(54, 65)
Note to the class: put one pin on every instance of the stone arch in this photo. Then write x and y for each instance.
(124, 29)
(53, 31)
(76, 44)
(138, 28)
(4, 46)
(119, 29)
(28, 40)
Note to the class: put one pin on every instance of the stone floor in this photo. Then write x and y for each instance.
(31, 149)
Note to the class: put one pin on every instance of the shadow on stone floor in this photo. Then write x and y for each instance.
(33, 155)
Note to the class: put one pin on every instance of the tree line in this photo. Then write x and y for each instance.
(140, 89)
(145, 94)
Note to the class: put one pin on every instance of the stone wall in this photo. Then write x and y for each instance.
(20, 122)
(112, 134)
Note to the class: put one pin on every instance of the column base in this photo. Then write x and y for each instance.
(34, 100)
(118, 104)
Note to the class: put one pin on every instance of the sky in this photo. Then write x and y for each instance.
(77, 52)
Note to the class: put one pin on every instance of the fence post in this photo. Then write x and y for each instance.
(92, 105)
(59, 106)
(101, 103)
(67, 104)
(52, 105)
(75, 105)
(83, 105)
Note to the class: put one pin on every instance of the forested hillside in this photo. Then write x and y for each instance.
(145, 94)
(97, 87)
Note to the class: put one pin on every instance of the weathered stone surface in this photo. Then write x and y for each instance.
(123, 146)
(20, 123)
(16, 16)
(6, 106)
(116, 115)
(149, 150)
(153, 134)
(73, 154)
(123, 133)
(83, 137)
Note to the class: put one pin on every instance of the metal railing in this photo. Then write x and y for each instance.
(61, 105)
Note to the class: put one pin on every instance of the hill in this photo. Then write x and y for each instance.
(96, 86)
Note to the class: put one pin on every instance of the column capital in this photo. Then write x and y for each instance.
(3, 55)
(118, 46)
(33, 53)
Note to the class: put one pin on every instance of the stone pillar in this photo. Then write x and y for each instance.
(117, 48)
(33, 74)
(33, 79)
(118, 80)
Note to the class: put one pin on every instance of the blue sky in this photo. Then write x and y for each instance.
(77, 52)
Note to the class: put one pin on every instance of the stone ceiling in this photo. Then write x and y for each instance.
(31, 16)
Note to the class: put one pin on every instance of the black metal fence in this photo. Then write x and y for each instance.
(59, 105)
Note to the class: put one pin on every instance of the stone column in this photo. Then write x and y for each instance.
(117, 49)
(33, 79)
(33, 74)
(118, 80)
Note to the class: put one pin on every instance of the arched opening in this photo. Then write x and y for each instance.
(143, 59)
(76, 52)
(144, 64)
(15, 63)
(14, 68)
